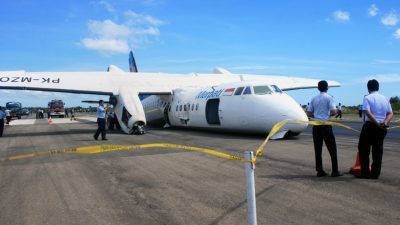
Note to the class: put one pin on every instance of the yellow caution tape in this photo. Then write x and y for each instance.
(109, 148)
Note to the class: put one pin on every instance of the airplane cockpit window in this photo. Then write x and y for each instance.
(239, 90)
(262, 90)
(247, 91)
(276, 89)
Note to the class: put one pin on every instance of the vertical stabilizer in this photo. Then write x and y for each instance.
(132, 63)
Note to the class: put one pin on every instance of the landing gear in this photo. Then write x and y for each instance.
(138, 130)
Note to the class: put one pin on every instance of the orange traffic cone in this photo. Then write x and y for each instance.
(50, 120)
(356, 169)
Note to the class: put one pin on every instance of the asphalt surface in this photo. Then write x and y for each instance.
(170, 186)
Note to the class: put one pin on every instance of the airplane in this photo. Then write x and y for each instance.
(218, 101)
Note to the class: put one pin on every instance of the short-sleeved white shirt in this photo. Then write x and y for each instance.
(378, 105)
(321, 106)
(101, 113)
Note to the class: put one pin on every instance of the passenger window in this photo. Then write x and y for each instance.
(184, 108)
(239, 90)
(247, 91)
(192, 107)
(262, 90)
(176, 108)
(197, 106)
(180, 108)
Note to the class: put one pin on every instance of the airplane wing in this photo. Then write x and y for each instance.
(287, 83)
(110, 83)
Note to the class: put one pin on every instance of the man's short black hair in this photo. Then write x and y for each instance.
(373, 85)
(323, 86)
(101, 101)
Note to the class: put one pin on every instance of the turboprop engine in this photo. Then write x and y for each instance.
(129, 111)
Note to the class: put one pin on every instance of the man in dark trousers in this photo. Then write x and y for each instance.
(378, 114)
(101, 122)
(321, 108)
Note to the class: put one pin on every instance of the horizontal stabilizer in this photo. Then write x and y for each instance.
(93, 102)
(219, 70)
(114, 69)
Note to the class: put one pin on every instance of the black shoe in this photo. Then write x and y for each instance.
(321, 174)
(104, 139)
(336, 174)
(95, 138)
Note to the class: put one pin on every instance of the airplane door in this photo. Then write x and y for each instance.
(167, 109)
(212, 112)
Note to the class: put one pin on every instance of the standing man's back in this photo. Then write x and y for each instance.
(321, 108)
(378, 114)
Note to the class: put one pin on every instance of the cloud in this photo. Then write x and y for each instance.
(397, 34)
(341, 16)
(385, 78)
(106, 46)
(373, 10)
(383, 61)
(107, 6)
(390, 19)
(109, 37)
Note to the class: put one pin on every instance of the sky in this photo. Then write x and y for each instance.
(349, 41)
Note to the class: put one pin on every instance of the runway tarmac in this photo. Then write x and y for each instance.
(171, 186)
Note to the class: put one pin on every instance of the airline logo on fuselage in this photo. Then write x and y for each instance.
(209, 94)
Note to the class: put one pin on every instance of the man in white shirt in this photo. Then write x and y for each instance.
(321, 108)
(101, 122)
(8, 115)
(378, 114)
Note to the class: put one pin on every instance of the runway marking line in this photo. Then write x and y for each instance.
(109, 148)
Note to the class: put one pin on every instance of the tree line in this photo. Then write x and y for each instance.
(395, 101)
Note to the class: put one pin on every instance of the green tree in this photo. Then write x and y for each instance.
(395, 101)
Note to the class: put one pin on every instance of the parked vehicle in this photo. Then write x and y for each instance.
(56, 108)
(15, 109)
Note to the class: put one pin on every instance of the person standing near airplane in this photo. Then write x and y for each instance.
(2, 115)
(8, 115)
(339, 111)
(101, 121)
(321, 108)
(378, 114)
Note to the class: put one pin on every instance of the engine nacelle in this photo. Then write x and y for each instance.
(129, 111)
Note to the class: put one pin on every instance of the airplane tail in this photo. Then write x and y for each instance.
(132, 63)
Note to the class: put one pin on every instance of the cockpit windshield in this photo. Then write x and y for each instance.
(276, 89)
(262, 90)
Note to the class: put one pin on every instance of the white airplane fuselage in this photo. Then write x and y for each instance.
(250, 107)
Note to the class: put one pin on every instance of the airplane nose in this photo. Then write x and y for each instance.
(293, 111)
